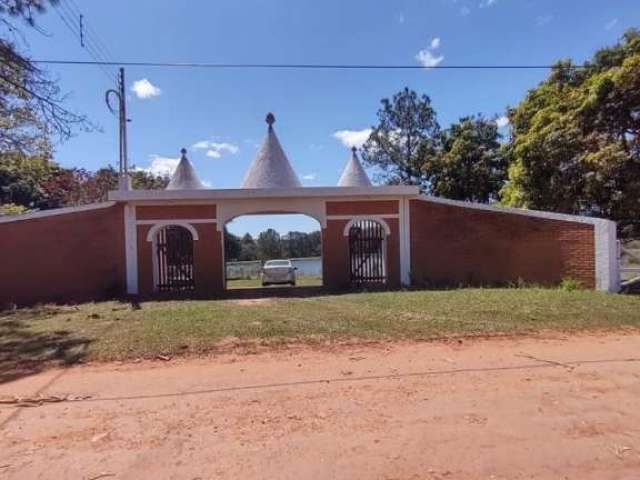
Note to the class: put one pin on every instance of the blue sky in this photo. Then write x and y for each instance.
(226, 108)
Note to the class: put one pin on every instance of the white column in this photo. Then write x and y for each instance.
(131, 248)
(405, 242)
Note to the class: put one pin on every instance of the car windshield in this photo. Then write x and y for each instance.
(278, 263)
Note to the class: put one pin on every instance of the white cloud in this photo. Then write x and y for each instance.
(401, 18)
(145, 89)
(215, 149)
(610, 24)
(310, 177)
(487, 3)
(502, 121)
(206, 183)
(353, 138)
(163, 166)
(427, 57)
(464, 11)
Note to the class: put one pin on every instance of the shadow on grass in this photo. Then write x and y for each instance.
(25, 351)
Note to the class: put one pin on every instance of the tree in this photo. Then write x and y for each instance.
(575, 145)
(31, 104)
(232, 246)
(249, 248)
(269, 246)
(471, 165)
(21, 177)
(406, 134)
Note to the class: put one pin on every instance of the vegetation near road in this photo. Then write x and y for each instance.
(114, 330)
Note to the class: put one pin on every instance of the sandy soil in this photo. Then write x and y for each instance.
(551, 408)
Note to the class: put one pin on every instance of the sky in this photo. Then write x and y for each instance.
(218, 115)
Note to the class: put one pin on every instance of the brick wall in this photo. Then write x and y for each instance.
(335, 245)
(61, 258)
(207, 250)
(453, 245)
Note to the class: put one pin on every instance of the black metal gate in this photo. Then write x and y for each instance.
(174, 247)
(366, 253)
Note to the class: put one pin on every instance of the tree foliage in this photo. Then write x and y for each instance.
(407, 133)
(470, 164)
(32, 107)
(575, 145)
(34, 182)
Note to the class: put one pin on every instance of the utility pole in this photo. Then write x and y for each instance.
(124, 182)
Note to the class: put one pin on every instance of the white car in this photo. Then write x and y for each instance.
(278, 271)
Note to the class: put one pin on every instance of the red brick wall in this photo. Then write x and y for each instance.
(455, 245)
(62, 258)
(335, 245)
(207, 251)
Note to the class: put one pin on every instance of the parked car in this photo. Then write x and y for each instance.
(278, 272)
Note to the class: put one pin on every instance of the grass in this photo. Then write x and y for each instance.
(113, 330)
(301, 281)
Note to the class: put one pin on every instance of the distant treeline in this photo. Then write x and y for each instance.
(271, 245)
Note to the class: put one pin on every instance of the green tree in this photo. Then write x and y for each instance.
(249, 248)
(471, 164)
(407, 133)
(269, 246)
(575, 145)
(232, 246)
(21, 177)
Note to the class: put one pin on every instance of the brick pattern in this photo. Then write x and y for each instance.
(175, 212)
(335, 246)
(207, 260)
(71, 257)
(453, 245)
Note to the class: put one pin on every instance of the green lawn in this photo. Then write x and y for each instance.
(113, 330)
(301, 281)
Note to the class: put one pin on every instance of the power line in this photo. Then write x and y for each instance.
(302, 66)
(72, 21)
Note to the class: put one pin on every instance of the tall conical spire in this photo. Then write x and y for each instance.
(184, 177)
(353, 174)
(270, 167)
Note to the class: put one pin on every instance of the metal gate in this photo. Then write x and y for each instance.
(366, 253)
(174, 259)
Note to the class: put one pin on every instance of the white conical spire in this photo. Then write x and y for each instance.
(184, 176)
(353, 174)
(270, 168)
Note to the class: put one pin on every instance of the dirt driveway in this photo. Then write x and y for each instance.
(552, 407)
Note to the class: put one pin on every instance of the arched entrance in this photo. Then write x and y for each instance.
(367, 256)
(173, 259)
(274, 249)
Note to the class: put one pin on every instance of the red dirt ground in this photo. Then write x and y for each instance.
(545, 408)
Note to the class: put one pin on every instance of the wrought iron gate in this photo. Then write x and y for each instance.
(366, 253)
(174, 260)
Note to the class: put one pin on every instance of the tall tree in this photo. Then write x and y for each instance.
(406, 134)
(232, 246)
(31, 103)
(575, 142)
(269, 246)
(249, 248)
(471, 164)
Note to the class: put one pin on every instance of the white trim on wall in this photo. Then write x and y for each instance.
(172, 221)
(55, 211)
(131, 249)
(357, 218)
(151, 234)
(370, 217)
(405, 243)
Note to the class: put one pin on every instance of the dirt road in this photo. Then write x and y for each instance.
(552, 408)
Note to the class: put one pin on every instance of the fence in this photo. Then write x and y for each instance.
(307, 267)
(629, 259)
